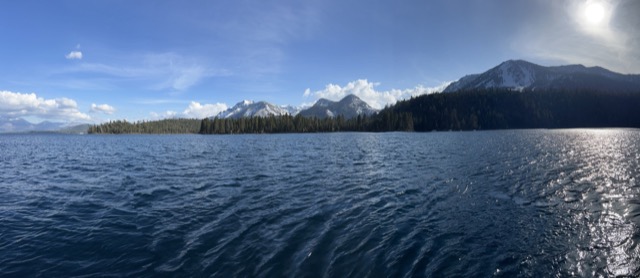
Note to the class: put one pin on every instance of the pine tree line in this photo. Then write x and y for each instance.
(166, 126)
(465, 110)
(508, 109)
(300, 124)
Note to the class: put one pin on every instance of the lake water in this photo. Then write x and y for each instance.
(532, 203)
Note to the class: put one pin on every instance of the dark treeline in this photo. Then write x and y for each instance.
(467, 110)
(166, 126)
(300, 124)
(507, 109)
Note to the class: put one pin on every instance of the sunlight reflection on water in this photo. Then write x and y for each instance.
(609, 169)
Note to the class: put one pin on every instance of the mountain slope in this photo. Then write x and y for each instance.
(246, 109)
(349, 107)
(509, 109)
(14, 125)
(521, 75)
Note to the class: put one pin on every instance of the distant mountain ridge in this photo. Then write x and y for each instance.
(247, 108)
(349, 107)
(510, 76)
(20, 125)
(522, 75)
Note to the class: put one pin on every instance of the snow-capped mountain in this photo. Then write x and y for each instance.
(522, 75)
(247, 108)
(349, 107)
(292, 110)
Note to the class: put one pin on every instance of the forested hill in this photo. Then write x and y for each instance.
(464, 110)
(505, 108)
(480, 109)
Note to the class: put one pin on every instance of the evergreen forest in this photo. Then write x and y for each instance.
(464, 110)
(166, 126)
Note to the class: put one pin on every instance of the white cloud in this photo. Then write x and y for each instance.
(200, 111)
(166, 115)
(74, 55)
(194, 110)
(102, 108)
(366, 91)
(20, 105)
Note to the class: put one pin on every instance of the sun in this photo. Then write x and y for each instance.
(594, 17)
(594, 13)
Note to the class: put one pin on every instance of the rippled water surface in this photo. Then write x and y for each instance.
(535, 203)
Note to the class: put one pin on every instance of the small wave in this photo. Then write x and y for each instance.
(535, 204)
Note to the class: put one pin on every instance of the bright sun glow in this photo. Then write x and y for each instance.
(595, 13)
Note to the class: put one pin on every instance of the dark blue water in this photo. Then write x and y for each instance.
(532, 203)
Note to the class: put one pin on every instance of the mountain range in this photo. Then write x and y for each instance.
(349, 107)
(516, 75)
(247, 108)
(18, 125)
(522, 75)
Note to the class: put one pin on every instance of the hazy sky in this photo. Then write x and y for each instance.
(91, 61)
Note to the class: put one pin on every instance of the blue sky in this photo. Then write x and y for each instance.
(92, 61)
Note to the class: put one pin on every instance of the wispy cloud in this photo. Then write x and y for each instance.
(102, 108)
(74, 55)
(163, 71)
(175, 72)
(24, 105)
(261, 32)
(181, 79)
(366, 91)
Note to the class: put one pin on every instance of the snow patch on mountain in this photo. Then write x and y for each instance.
(349, 107)
(516, 75)
(248, 108)
(521, 75)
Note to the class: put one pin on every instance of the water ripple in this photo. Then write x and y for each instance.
(505, 203)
